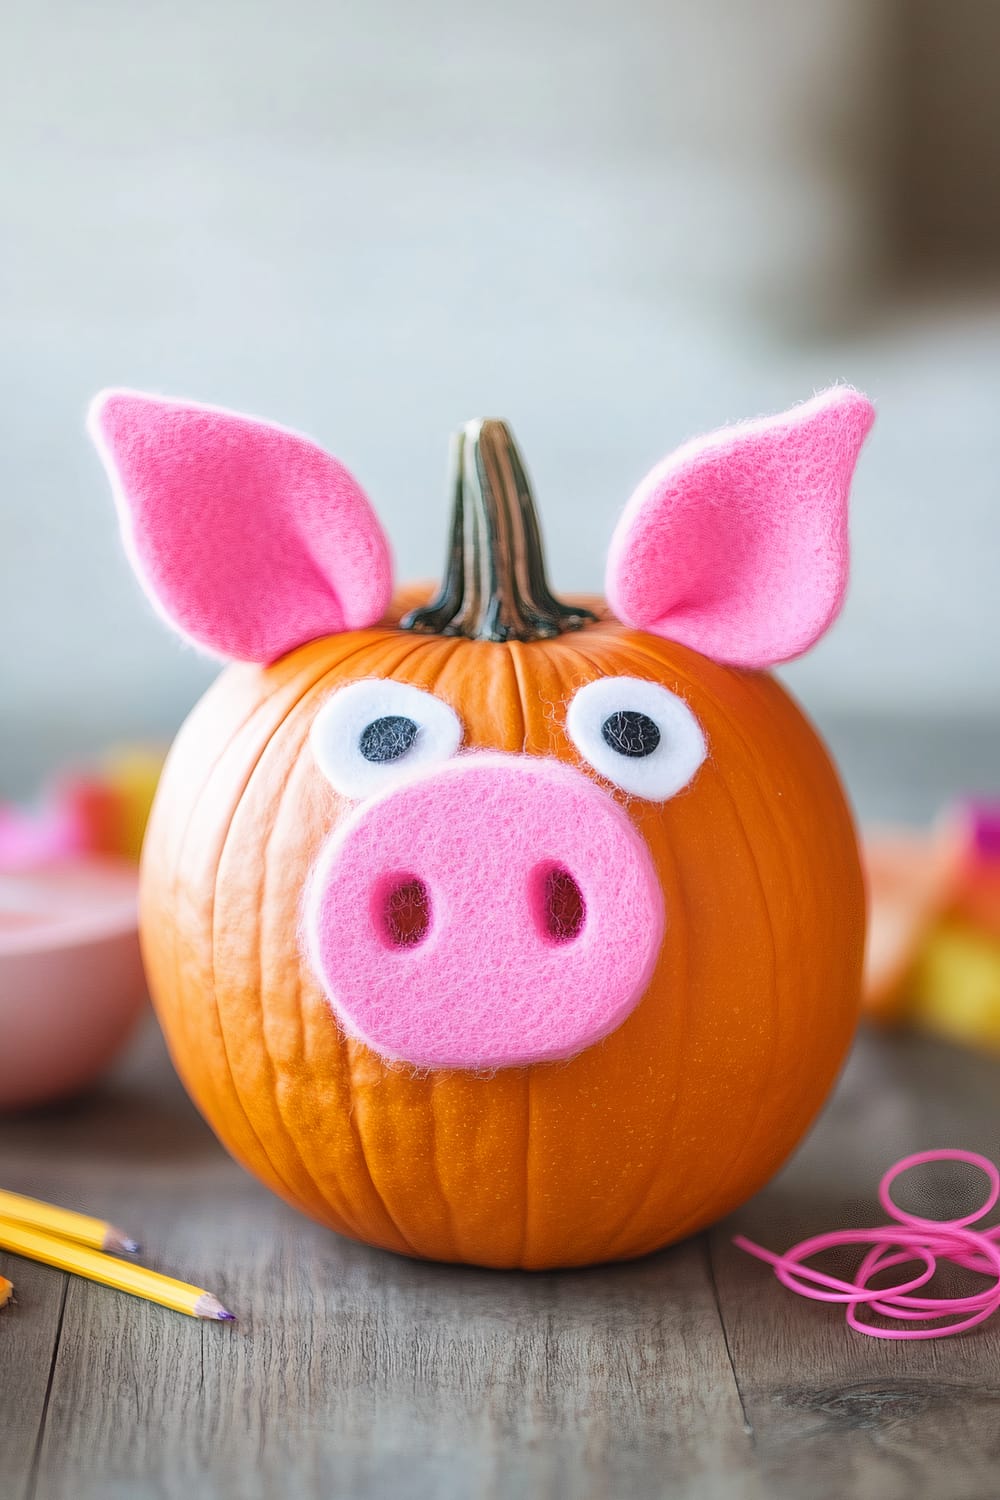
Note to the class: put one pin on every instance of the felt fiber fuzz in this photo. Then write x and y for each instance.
(249, 539)
(494, 911)
(638, 735)
(736, 545)
(370, 734)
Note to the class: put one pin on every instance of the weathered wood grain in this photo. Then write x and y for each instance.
(29, 1336)
(353, 1373)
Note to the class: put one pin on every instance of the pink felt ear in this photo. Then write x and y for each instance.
(249, 538)
(736, 545)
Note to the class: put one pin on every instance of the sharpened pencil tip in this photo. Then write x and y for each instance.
(117, 1243)
(208, 1306)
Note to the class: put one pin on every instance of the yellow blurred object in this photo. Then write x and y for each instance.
(6, 1291)
(133, 773)
(933, 956)
(954, 987)
(909, 877)
(104, 810)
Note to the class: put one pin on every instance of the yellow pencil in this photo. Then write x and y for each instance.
(65, 1223)
(123, 1275)
(6, 1291)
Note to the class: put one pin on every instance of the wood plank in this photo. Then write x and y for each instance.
(443, 1382)
(52, 1154)
(356, 1373)
(833, 1412)
(29, 1334)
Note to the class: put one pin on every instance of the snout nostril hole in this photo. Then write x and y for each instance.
(406, 913)
(563, 910)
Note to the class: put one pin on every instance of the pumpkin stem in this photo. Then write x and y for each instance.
(495, 587)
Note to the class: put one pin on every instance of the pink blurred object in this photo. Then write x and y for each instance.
(27, 838)
(984, 820)
(911, 1240)
(71, 979)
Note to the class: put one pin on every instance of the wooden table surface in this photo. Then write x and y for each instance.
(354, 1373)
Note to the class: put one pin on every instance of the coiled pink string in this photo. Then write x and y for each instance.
(911, 1238)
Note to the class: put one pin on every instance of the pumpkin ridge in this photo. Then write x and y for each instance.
(339, 1208)
(737, 819)
(352, 1050)
(676, 931)
(522, 702)
(638, 1209)
(314, 682)
(234, 1090)
(179, 1013)
(763, 886)
(494, 688)
(587, 648)
(175, 967)
(280, 1176)
(439, 1083)
(347, 1049)
(774, 1007)
(758, 684)
(543, 697)
(756, 681)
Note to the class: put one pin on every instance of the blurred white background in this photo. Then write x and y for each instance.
(615, 226)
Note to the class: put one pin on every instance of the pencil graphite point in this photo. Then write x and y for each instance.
(117, 1243)
(208, 1306)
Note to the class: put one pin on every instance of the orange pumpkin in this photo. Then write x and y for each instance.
(681, 1112)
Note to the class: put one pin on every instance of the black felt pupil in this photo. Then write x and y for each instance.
(387, 738)
(630, 733)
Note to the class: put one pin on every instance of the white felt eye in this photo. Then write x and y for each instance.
(638, 734)
(370, 733)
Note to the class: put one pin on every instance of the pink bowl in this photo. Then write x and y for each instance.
(71, 980)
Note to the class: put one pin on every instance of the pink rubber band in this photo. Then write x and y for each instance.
(911, 1238)
(922, 1158)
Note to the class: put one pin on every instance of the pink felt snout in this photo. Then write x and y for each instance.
(497, 910)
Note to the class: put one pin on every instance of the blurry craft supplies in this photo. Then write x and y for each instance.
(98, 810)
(6, 1291)
(910, 1240)
(65, 1240)
(933, 956)
(71, 980)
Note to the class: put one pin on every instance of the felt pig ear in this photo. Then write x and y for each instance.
(247, 537)
(736, 545)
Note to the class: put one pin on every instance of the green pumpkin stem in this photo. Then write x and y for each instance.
(495, 587)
